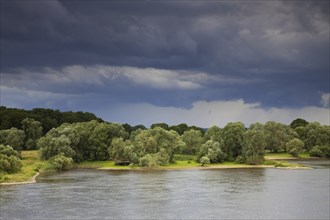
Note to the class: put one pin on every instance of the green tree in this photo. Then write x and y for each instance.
(55, 143)
(233, 136)
(193, 140)
(213, 151)
(320, 151)
(12, 137)
(298, 122)
(162, 125)
(316, 134)
(253, 146)
(294, 147)
(180, 128)
(204, 160)
(122, 152)
(157, 140)
(9, 160)
(276, 136)
(213, 133)
(62, 162)
(101, 138)
(33, 131)
(149, 160)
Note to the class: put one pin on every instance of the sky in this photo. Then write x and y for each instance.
(202, 63)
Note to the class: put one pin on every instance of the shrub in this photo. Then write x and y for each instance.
(149, 160)
(9, 160)
(62, 162)
(320, 151)
(240, 159)
(294, 147)
(204, 160)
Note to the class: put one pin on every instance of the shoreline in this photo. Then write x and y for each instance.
(208, 167)
(196, 168)
(182, 168)
(33, 180)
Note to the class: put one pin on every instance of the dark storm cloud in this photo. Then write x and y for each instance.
(273, 52)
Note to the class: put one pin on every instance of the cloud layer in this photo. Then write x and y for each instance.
(206, 114)
(166, 54)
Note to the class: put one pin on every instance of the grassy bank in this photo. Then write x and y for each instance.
(188, 164)
(31, 164)
(286, 156)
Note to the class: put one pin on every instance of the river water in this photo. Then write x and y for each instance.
(181, 194)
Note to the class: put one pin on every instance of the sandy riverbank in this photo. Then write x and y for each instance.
(33, 180)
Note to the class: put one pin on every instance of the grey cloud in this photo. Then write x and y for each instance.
(276, 52)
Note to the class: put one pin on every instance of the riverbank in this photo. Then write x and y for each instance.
(32, 166)
(33, 180)
(190, 165)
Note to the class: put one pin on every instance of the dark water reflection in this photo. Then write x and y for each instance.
(191, 194)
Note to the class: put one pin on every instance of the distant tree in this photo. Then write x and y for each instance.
(180, 128)
(298, 122)
(204, 160)
(162, 125)
(33, 131)
(12, 117)
(253, 146)
(316, 134)
(136, 127)
(122, 151)
(320, 151)
(213, 151)
(193, 140)
(198, 129)
(213, 133)
(128, 128)
(12, 137)
(55, 143)
(9, 160)
(62, 162)
(102, 136)
(158, 140)
(294, 147)
(276, 135)
(257, 127)
(149, 160)
(233, 136)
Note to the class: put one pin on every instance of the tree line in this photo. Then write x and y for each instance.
(49, 118)
(97, 140)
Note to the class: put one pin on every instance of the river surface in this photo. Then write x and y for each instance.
(180, 194)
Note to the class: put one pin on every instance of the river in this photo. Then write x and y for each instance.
(179, 194)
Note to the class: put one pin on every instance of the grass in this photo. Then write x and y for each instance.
(100, 165)
(184, 157)
(279, 163)
(286, 156)
(31, 164)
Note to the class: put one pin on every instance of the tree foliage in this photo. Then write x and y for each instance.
(193, 140)
(294, 147)
(253, 146)
(276, 135)
(298, 122)
(233, 136)
(9, 160)
(320, 151)
(12, 117)
(12, 137)
(213, 151)
(81, 141)
(62, 162)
